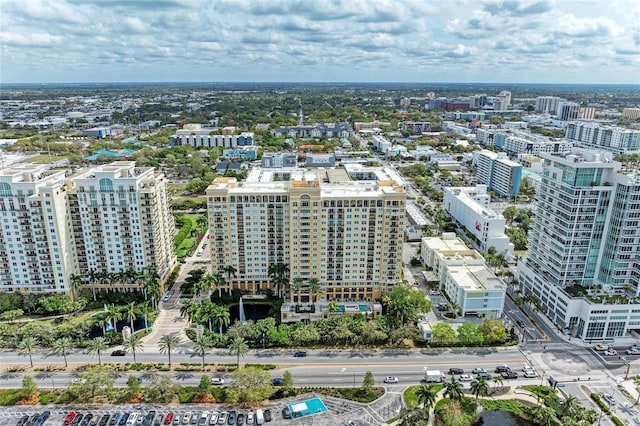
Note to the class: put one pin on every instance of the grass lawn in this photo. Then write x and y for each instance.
(45, 158)
(176, 188)
(410, 398)
(185, 247)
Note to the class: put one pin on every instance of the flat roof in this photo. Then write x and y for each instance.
(474, 277)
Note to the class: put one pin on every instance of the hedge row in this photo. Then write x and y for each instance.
(185, 229)
(603, 405)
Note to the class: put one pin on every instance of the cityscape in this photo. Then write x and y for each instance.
(434, 224)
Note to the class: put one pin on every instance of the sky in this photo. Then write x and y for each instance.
(501, 41)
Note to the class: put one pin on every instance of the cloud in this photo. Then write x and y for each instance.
(37, 40)
(601, 26)
(518, 7)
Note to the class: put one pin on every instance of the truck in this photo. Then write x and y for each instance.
(434, 376)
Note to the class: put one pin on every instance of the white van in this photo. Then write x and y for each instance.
(132, 419)
(259, 420)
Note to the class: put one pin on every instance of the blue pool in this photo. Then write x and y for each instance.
(354, 308)
(309, 407)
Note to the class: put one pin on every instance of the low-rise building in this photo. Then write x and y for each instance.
(463, 276)
(277, 160)
(241, 152)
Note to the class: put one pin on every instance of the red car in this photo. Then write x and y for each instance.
(69, 419)
(169, 418)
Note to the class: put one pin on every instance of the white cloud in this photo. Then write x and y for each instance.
(317, 39)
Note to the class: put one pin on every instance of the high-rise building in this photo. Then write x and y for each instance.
(611, 138)
(35, 251)
(500, 174)
(121, 221)
(631, 113)
(568, 111)
(586, 239)
(346, 234)
(547, 104)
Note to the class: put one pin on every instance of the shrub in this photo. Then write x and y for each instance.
(603, 406)
(617, 421)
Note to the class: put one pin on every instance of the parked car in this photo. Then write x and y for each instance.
(177, 419)
(633, 351)
(286, 414)
(249, 418)
(267, 415)
(240, 419)
(118, 352)
(123, 419)
(223, 418)
(214, 417)
(104, 420)
(186, 418)
(114, 418)
(195, 418)
(509, 374)
(300, 354)
(24, 419)
(140, 420)
(77, 419)
(465, 378)
(390, 379)
(232, 418)
(456, 371)
(204, 419)
(610, 399)
(169, 418)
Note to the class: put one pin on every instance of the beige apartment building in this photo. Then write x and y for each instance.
(346, 234)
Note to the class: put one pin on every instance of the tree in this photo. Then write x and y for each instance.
(210, 282)
(249, 385)
(130, 312)
(296, 287)
(314, 288)
(469, 334)
(493, 331)
(133, 344)
(287, 381)
(75, 282)
(145, 310)
(240, 347)
(278, 273)
(160, 389)
(97, 346)
(443, 333)
(480, 387)
(568, 406)
(27, 346)
(134, 390)
(368, 383)
(97, 379)
(201, 345)
(498, 381)
(453, 390)
(114, 315)
(414, 417)
(333, 306)
(426, 395)
(221, 317)
(404, 304)
(230, 270)
(29, 387)
(167, 344)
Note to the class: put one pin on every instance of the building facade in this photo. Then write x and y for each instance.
(35, 255)
(469, 206)
(500, 174)
(618, 140)
(583, 246)
(201, 138)
(568, 111)
(347, 235)
(547, 104)
(121, 221)
(463, 276)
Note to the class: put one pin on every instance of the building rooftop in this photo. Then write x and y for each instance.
(474, 277)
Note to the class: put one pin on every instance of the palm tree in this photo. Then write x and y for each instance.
(168, 343)
(75, 281)
(314, 289)
(114, 315)
(198, 288)
(62, 347)
(230, 271)
(426, 395)
(94, 278)
(206, 311)
(210, 282)
(453, 389)
(221, 317)
(130, 312)
(240, 347)
(480, 387)
(296, 286)
(101, 321)
(190, 309)
(145, 310)
(202, 221)
(97, 346)
(27, 346)
(133, 344)
(333, 306)
(498, 380)
(201, 345)
(278, 273)
(569, 406)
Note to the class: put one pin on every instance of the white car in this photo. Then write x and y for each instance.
(214, 417)
(186, 418)
(610, 352)
(434, 292)
(527, 367)
(610, 400)
(217, 380)
(390, 379)
(249, 419)
(633, 351)
(530, 374)
(479, 370)
(465, 378)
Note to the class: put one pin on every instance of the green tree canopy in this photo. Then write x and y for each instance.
(443, 333)
(493, 331)
(249, 385)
